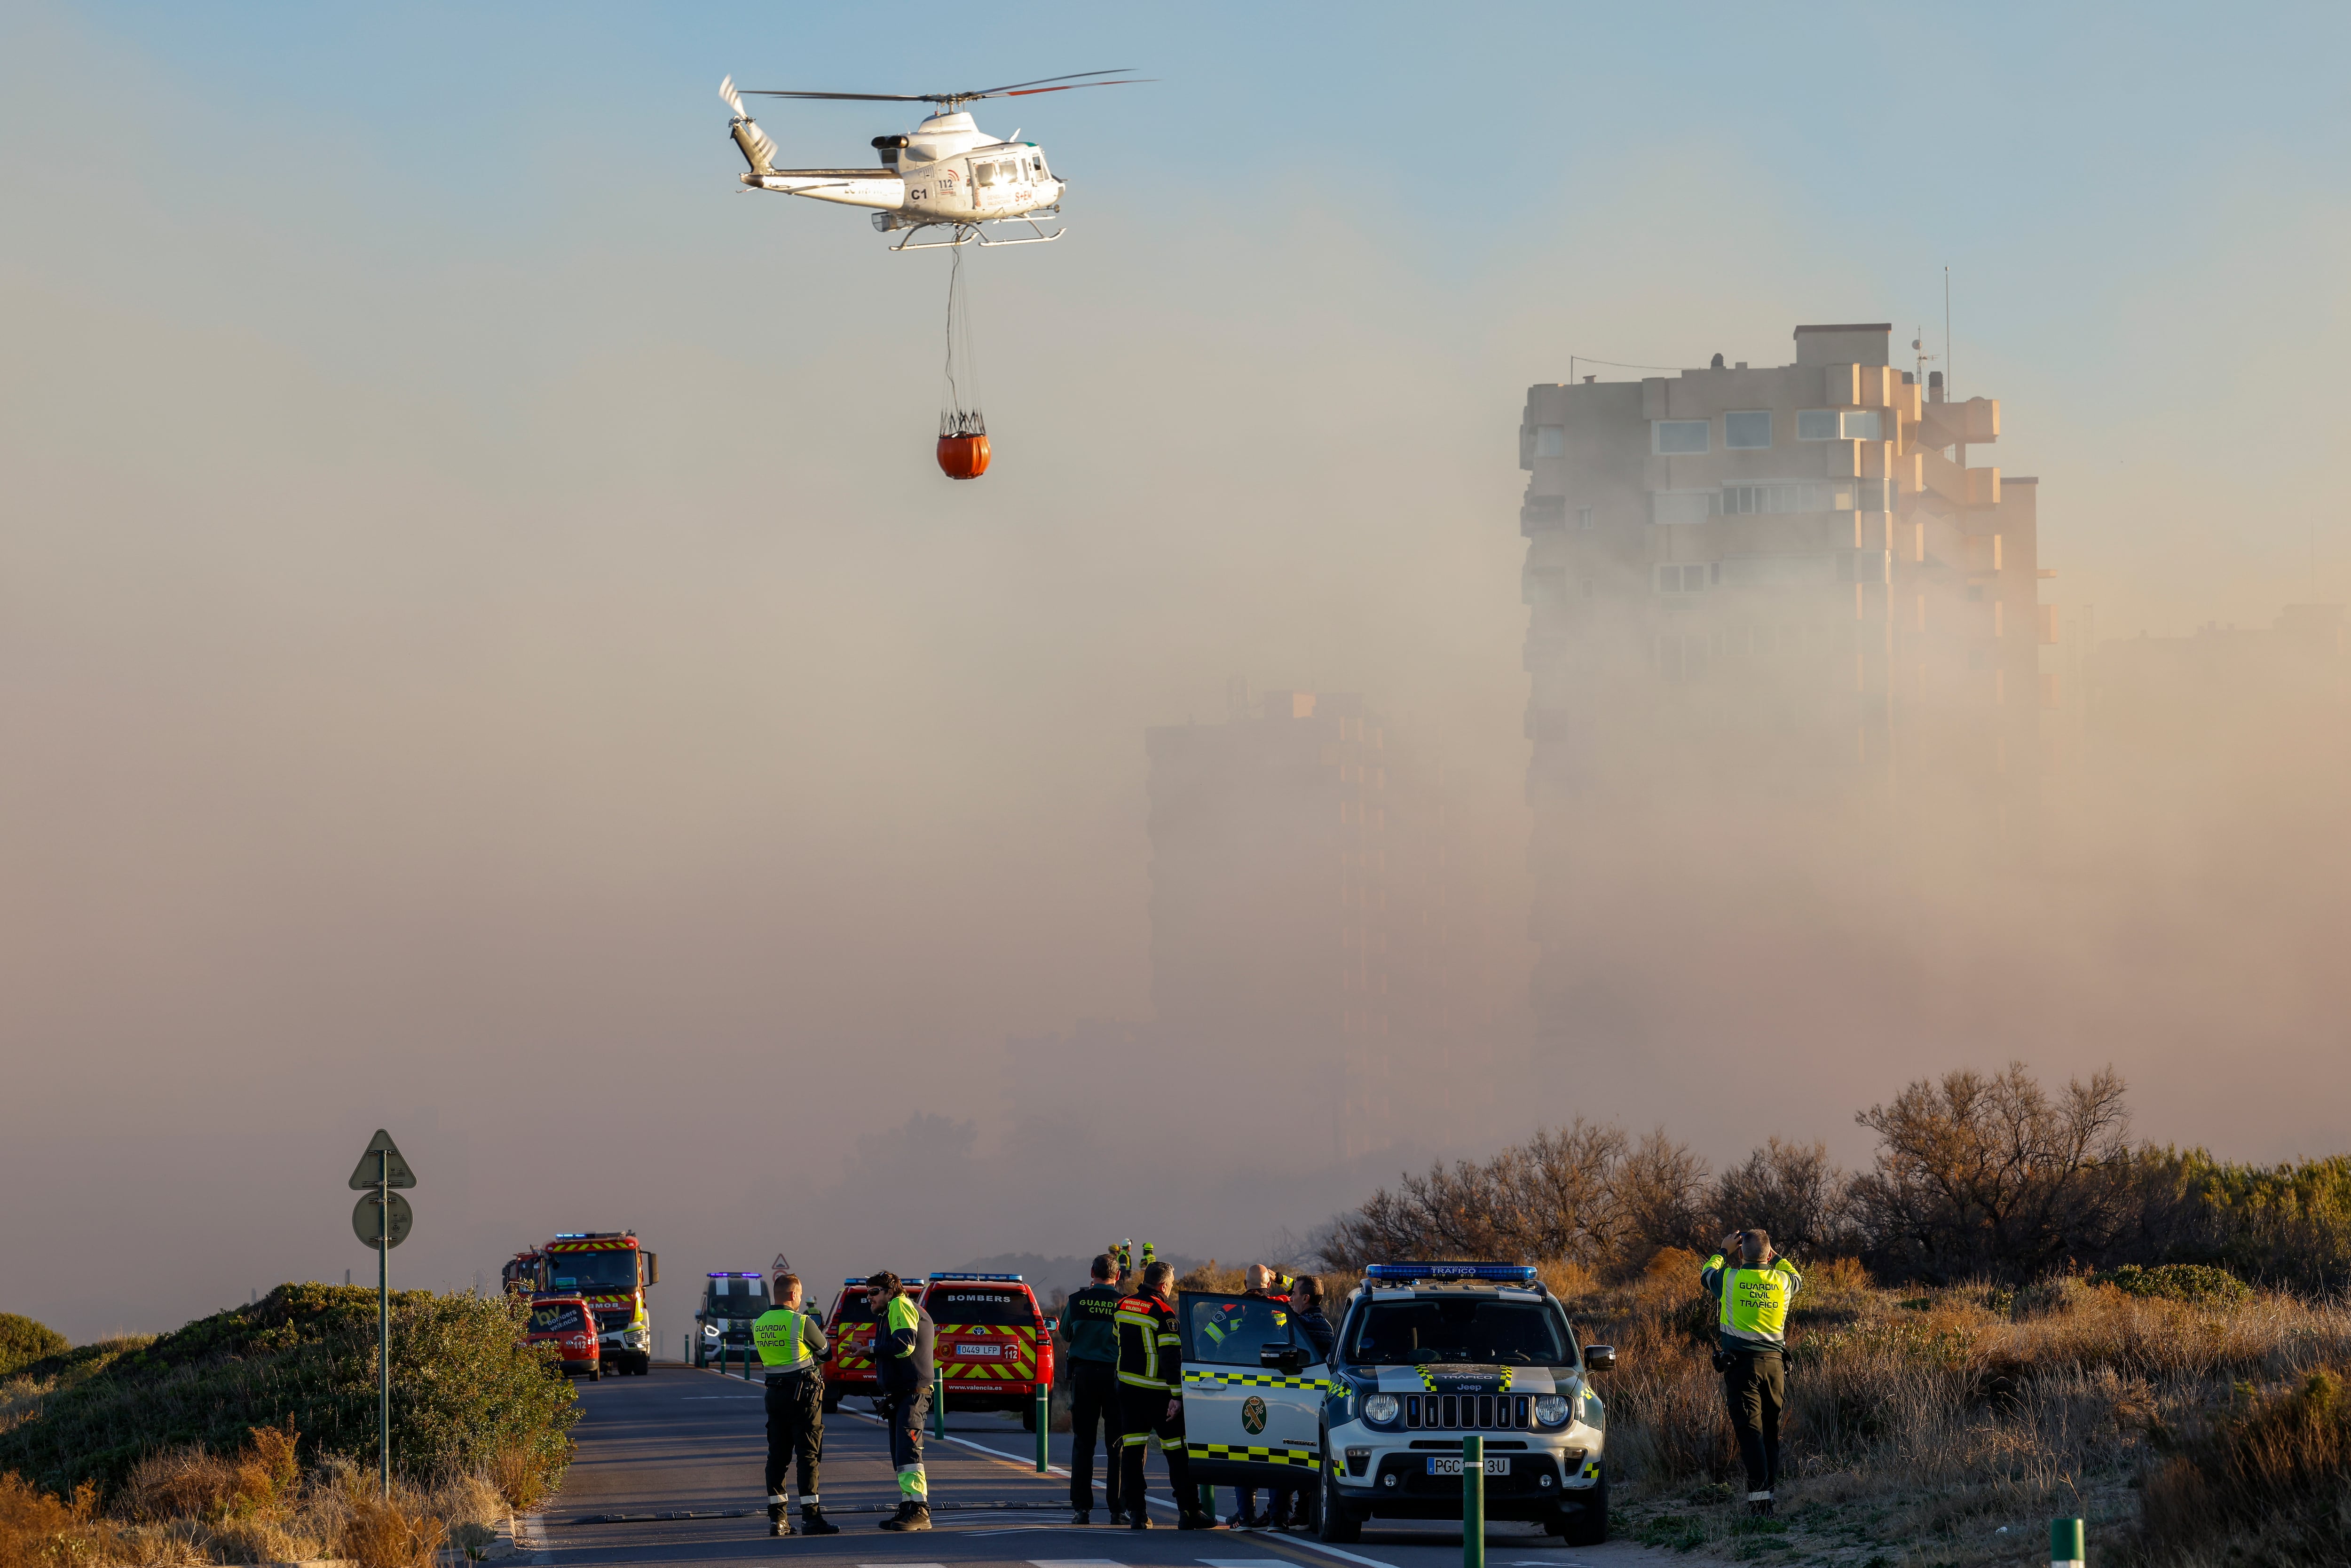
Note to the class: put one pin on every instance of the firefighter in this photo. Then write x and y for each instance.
(1751, 1297)
(1089, 1321)
(1151, 1400)
(792, 1345)
(903, 1364)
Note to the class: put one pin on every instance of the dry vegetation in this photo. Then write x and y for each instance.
(1922, 1425)
(191, 1506)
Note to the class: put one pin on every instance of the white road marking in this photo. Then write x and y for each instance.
(1313, 1545)
(1245, 1561)
(1069, 1563)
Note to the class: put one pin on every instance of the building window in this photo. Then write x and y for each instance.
(1690, 577)
(1859, 425)
(1584, 517)
(1816, 425)
(1678, 437)
(1746, 430)
(1670, 506)
(1551, 441)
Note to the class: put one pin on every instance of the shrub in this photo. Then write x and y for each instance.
(39, 1530)
(2266, 1482)
(464, 1387)
(2198, 1283)
(24, 1342)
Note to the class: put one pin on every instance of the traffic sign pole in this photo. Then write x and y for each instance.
(383, 1322)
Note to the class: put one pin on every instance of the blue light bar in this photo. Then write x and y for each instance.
(1512, 1273)
(742, 1274)
(571, 1236)
(1013, 1279)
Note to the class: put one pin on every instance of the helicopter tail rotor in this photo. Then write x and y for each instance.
(758, 149)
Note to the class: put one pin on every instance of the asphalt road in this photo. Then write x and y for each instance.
(687, 1441)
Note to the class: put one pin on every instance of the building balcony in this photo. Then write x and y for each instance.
(1965, 487)
(1972, 423)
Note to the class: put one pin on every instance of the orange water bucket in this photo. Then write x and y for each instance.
(963, 456)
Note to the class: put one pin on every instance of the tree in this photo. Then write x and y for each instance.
(1989, 1176)
(1790, 1190)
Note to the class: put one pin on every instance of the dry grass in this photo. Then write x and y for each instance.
(189, 1506)
(1928, 1422)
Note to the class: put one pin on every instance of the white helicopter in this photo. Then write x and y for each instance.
(948, 174)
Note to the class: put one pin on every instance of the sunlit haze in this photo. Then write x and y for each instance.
(485, 649)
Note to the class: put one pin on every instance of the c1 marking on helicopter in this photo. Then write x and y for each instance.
(949, 173)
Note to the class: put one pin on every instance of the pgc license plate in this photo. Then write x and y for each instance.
(973, 1352)
(1500, 1465)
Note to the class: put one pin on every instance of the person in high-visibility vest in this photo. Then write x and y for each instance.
(792, 1348)
(903, 1365)
(1750, 1299)
(1090, 1323)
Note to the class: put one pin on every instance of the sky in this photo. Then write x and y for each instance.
(484, 651)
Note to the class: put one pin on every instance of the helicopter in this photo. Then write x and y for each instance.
(947, 175)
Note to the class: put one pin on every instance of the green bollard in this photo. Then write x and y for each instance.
(938, 1401)
(1044, 1426)
(2065, 1550)
(1473, 1502)
(1207, 1500)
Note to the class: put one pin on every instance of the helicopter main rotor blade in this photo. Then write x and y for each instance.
(861, 96)
(1034, 91)
(1109, 72)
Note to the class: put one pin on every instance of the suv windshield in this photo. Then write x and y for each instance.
(1476, 1331)
(979, 1309)
(615, 1269)
(735, 1303)
(852, 1308)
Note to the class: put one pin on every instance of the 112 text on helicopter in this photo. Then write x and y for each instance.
(949, 173)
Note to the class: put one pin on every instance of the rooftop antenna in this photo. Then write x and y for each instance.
(1950, 386)
(1917, 346)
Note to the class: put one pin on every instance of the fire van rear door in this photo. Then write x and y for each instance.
(1245, 1423)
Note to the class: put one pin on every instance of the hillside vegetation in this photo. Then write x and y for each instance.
(251, 1435)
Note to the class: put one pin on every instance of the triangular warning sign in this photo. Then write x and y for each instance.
(370, 1168)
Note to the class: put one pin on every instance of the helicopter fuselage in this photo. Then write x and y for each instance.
(949, 172)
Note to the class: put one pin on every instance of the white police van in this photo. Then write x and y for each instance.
(1427, 1353)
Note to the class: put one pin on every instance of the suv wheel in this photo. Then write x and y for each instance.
(1588, 1525)
(1341, 1522)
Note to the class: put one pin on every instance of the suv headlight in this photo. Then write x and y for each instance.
(1382, 1409)
(1551, 1409)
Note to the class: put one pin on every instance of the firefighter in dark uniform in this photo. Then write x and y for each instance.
(1151, 1400)
(1090, 1323)
(791, 1347)
(903, 1364)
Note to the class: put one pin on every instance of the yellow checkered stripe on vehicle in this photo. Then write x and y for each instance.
(1255, 1380)
(1591, 1471)
(854, 1350)
(1260, 1456)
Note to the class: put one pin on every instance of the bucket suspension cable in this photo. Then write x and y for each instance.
(960, 414)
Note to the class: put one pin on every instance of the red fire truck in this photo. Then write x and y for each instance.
(610, 1272)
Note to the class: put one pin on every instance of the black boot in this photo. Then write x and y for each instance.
(813, 1522)
(1082, 1516)
(776, 1523)
(1138, 1517)
(918, 1516)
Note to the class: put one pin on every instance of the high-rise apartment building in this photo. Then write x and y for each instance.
(1770, 606)
(1303, 906)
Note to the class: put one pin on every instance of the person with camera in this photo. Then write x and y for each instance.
(1752, 1292)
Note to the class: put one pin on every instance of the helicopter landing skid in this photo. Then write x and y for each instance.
(967, 234)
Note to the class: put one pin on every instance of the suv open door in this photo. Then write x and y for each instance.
(1252, 1393)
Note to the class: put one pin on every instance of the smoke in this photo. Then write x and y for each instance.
(483, 652)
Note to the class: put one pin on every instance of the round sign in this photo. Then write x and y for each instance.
(1253, 1414)
(367, 1221)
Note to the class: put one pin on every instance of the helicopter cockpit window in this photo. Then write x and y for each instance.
(983, 174)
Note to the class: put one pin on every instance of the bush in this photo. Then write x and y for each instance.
(464, 1390)
(2266, 1482)
(24, 1342)
(2198, 1283)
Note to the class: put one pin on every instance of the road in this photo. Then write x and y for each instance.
(682, 1440)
